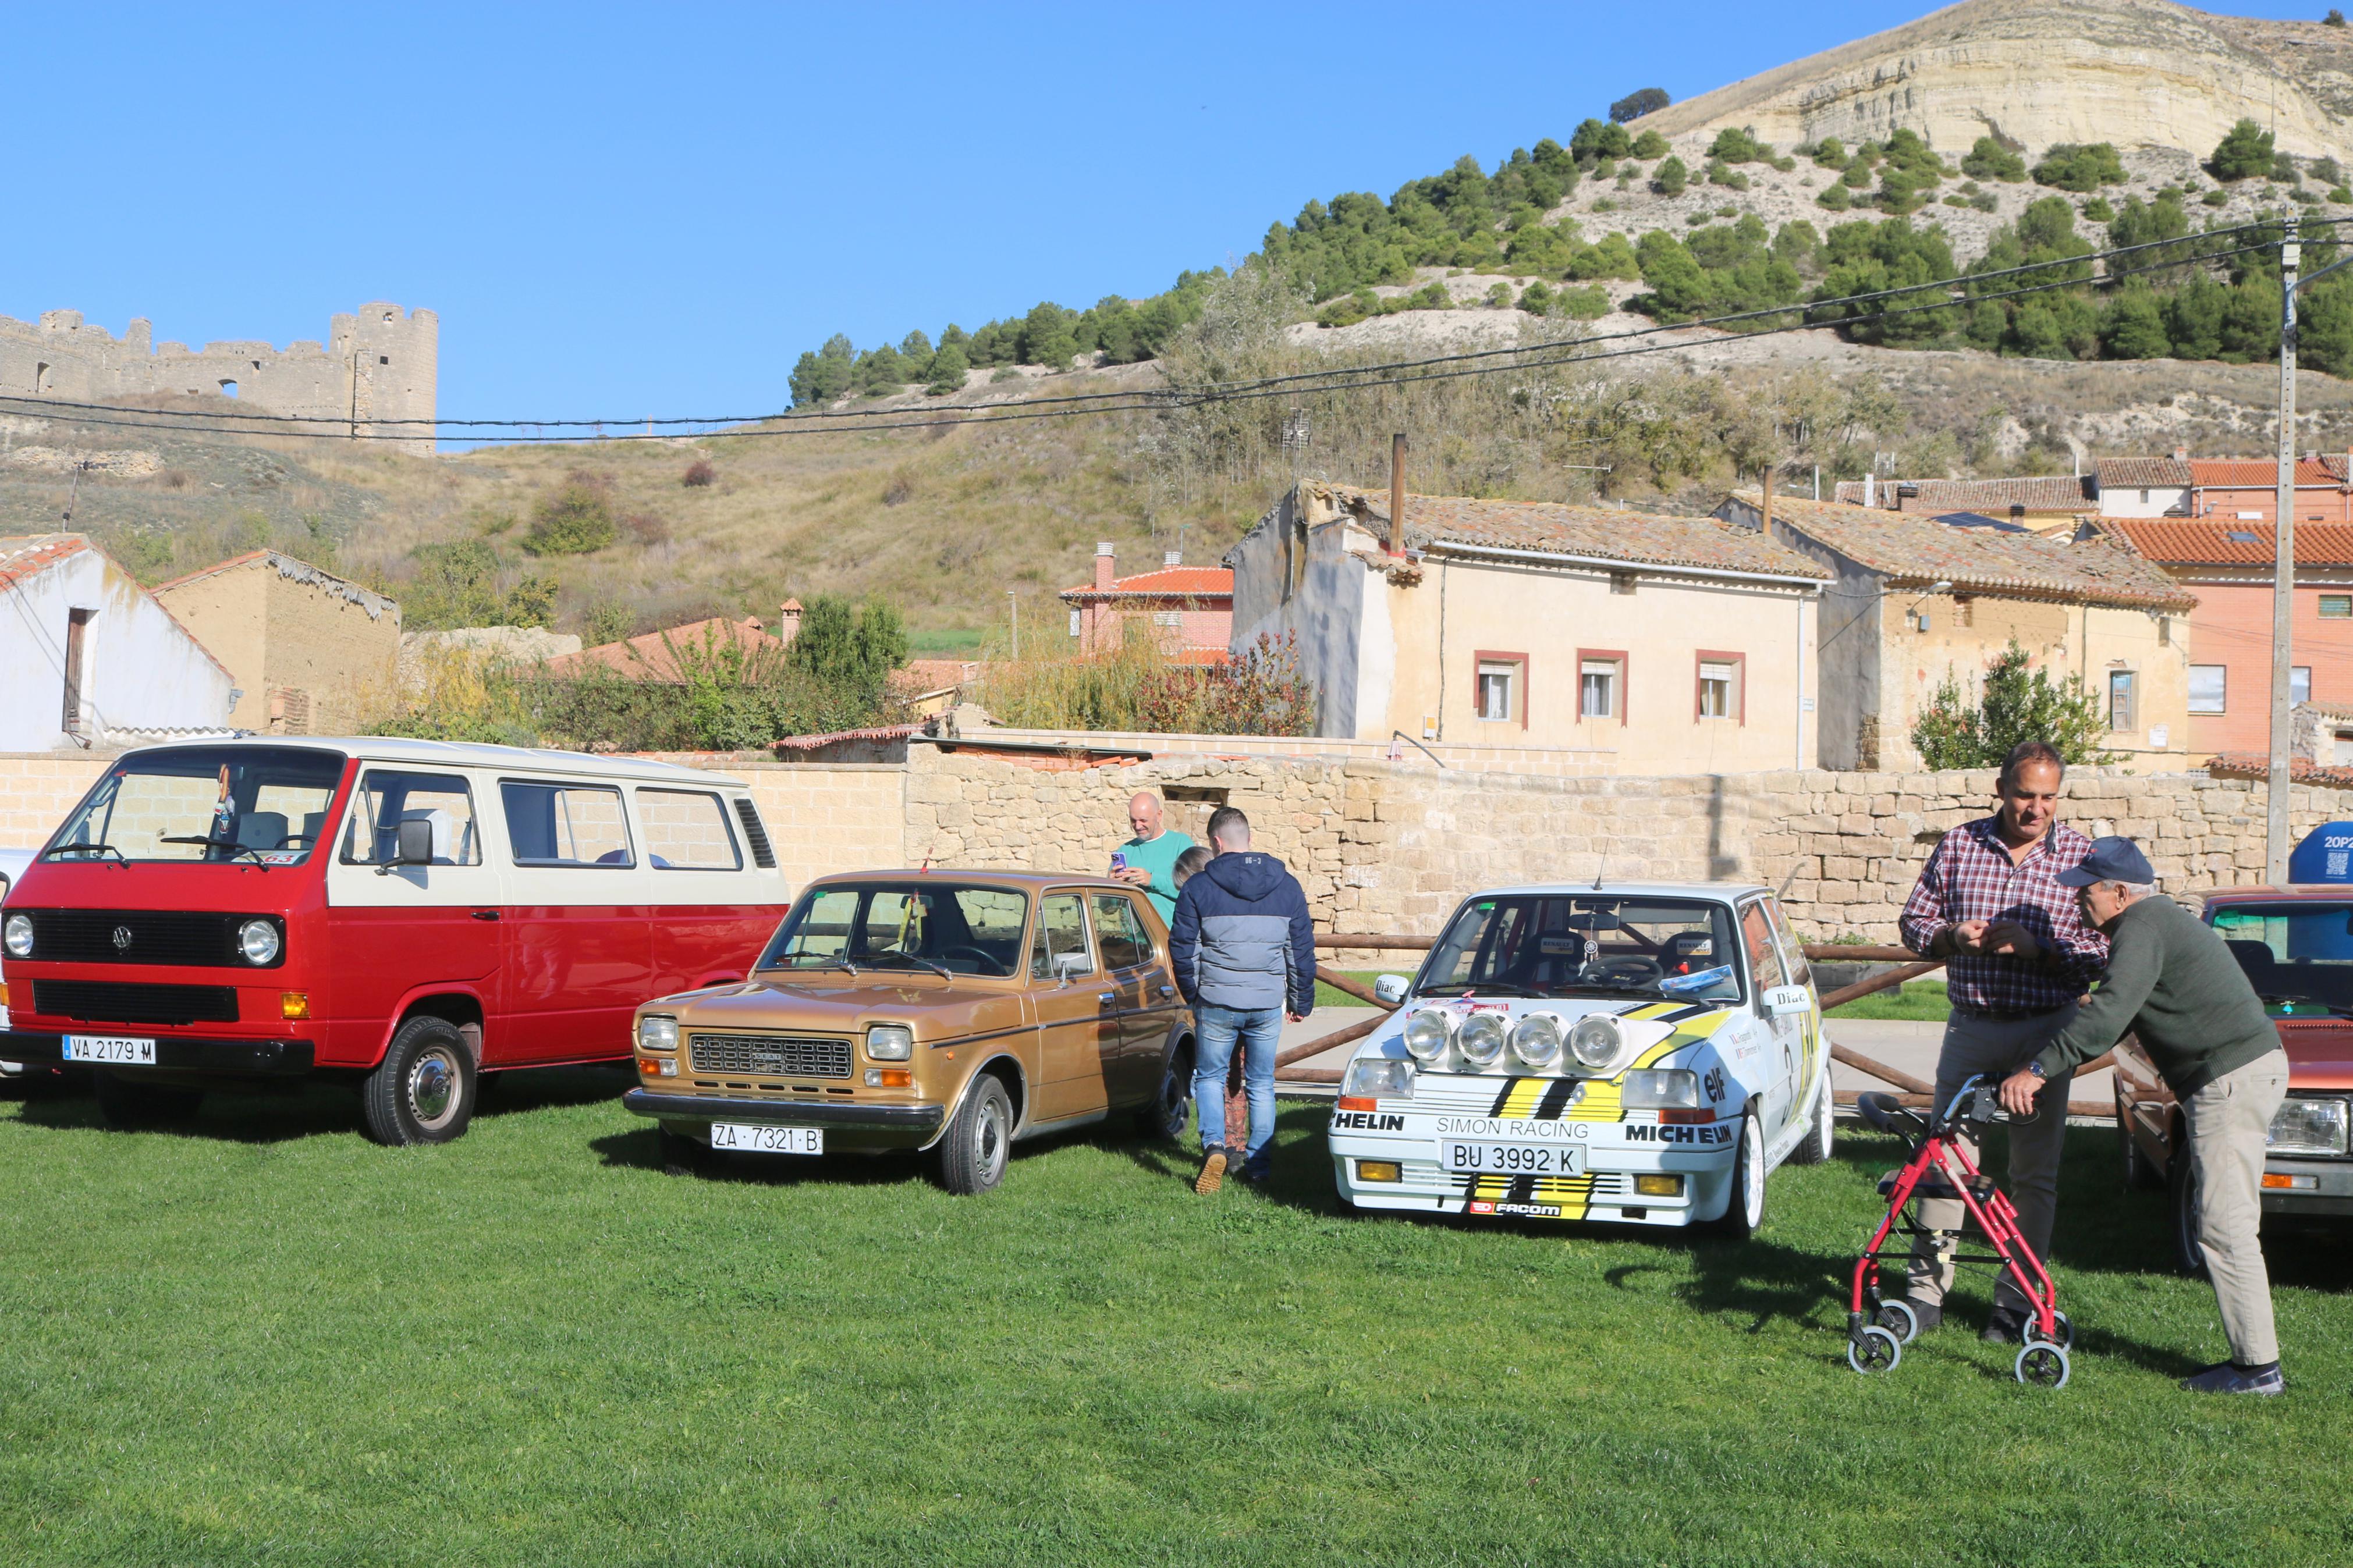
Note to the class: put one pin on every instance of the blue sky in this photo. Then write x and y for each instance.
(620, 212)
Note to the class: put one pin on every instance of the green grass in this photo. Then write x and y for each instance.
(1333, 996)
(268, 1341)
(1919, 1001)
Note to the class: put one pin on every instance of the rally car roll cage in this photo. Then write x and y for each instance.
(1939, 1167)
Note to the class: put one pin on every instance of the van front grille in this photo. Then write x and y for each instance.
(769, 1055)
(104, 1002)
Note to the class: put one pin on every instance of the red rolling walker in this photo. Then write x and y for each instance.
(1877, 1328)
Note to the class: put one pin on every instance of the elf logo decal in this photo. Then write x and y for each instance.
(1538, 1211)
(1368, 1120)
(1714, 1083)
(1643, 1132)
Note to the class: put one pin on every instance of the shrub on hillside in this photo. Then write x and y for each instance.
(699, 474)
(1137, 686)
(464, 585)
(1671, 177)
(1830, 152)
(573, 519)
(1649, 144)
(2244, 152)
(648, 527)
(948, 369)
(1739, 146)
(1990, 160)
(1636, 104)
(2072, 167)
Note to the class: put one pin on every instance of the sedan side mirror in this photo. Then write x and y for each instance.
(1069, 967)
(1391, 989)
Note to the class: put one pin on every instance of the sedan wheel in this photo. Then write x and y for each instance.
(972, 1155)
(1164, 1117)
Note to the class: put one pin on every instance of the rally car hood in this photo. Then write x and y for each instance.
(2319, 1052)
(1648, 1022)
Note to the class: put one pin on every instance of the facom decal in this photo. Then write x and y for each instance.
(1537, 1210)
(1645, 1132)
(1367, 1121)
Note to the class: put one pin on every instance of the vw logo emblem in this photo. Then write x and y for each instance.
(122, 939)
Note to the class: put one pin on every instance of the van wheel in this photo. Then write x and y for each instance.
(2181, 1179)
(972, 1156)
(130, 1105)
(1744, 1210)
(423, 1091)
(1162, 1117)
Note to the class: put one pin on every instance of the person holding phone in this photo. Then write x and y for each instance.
(1148, 860)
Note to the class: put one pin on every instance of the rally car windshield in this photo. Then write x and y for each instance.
(2298, 956)
(257, 804)
(1587, 944)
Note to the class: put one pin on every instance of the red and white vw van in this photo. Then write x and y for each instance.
(408, 914)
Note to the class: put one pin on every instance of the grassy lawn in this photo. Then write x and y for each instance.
(267, 1340)
(1920, 1001)
(1332, 996)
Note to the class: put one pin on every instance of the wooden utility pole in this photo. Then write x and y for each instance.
(1396, 493)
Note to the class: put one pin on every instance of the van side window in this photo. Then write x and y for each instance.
(387, 798)
(763, 853)
(1119, 931)
(686, 830)
(1061, 930)
(565, 823)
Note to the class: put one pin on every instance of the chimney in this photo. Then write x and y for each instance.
(789, 620)
(2181, 454)
(1870, 490)
(1104, 564)
(1173, 558)
(1396, 493)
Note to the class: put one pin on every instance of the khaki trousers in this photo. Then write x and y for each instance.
(2229, 1121)
(1996, 1047)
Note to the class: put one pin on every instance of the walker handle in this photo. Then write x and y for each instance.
(1883, 1112)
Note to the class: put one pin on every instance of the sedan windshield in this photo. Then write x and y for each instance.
(1587, 944)
(256, 804)
(2298, 957)
(944, 927)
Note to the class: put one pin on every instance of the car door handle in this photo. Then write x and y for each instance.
(1108, 996)
(486, 914)
(1168, 991)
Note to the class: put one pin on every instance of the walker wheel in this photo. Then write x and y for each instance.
(1874, 1350)
(2032, 1334)
(1898, 1318)
(2043, 1365)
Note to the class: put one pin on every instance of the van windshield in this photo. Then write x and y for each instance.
(939, 926)
(1596, 944)
(205, 804)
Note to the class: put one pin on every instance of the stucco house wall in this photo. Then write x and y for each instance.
(313, 652)
(143, 676)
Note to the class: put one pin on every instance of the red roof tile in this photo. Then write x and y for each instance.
(2262, 473)
(1635, 538)
(650, 658)
(2200, 542)
(29, 555)
(1195, 583)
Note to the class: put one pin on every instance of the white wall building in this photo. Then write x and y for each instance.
(93, 659)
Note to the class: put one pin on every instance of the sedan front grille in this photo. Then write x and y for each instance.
(769, 1055)
(105, 1001)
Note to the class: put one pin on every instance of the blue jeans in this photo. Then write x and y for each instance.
(1259, 1031)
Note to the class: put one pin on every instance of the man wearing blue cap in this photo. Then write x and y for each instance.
(2173, 980)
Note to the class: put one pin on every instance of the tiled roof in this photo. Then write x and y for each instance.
(1635, 538)
(2141, 473)
(816, 742)
(2061, 492)
(2262, 473)
(2184, 543)
(1911, 550)
(650, 658)
(919, 676)
(1167, 583)
(29, 554)
(2255, 765)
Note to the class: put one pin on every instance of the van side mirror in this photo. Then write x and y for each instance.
(415, 844)
(1391, 989)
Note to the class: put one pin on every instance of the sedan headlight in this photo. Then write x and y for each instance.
(657, 1034)
(1481, 1038)
(1378, 1078)
(1657, 1089)
(1596, 1040)
(1536, 1039)
(890, 1042)
(1427, 1033)
(19, 938)
(257, 941)
(2304, 1126)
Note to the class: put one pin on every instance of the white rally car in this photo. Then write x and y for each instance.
(1639, 1054)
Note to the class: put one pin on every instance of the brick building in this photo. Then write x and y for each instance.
(314, 655)
(1192, 607)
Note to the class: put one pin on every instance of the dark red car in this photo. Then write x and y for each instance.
(2295, 944)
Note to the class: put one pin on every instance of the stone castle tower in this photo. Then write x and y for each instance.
(378, 363)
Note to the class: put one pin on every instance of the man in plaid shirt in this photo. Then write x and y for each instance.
(2019, 955)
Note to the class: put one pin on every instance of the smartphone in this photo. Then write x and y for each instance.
(1119, 860)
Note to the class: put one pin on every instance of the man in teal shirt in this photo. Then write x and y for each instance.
(1149, 859)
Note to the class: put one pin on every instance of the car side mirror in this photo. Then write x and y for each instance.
(1391, 989)
(1069, 967)
(1783, 1000)
(415, 844)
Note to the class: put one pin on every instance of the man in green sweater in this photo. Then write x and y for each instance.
(2171, 980)
(1148, 860)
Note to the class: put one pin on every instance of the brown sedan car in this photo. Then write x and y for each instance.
(954, 1012)
(2296, 946)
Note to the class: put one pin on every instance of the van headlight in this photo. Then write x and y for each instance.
(1536, 1039)
(657, 1034)
(19, 937)
(890, 1042)
(1596, 1040)
(258, 941)
(1657, 1089)
(1428, 1033)
(1378, 1078)
(1481, 1037)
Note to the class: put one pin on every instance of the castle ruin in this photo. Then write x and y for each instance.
(378, 363)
